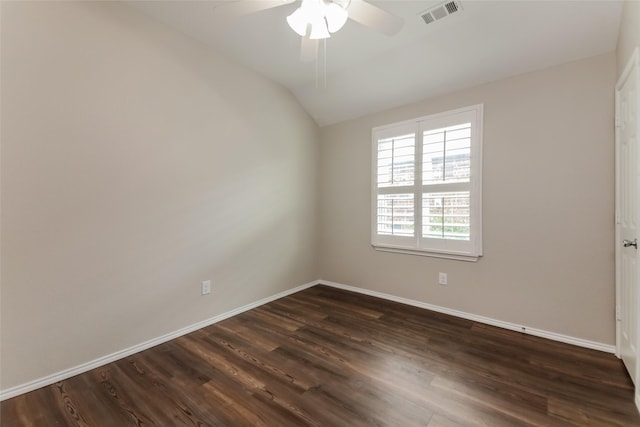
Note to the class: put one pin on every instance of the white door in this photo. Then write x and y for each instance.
(627, 198)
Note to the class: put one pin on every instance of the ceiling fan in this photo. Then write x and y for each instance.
(317, 19)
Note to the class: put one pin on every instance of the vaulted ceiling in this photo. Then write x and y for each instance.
(367, 71)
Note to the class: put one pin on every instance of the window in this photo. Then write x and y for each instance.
(426, 192)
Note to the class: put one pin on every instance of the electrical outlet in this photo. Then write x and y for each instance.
(442, 278)
(206, 287)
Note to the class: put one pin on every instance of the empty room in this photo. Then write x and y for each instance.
(319, 213)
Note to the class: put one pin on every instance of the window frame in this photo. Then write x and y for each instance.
(465, 250)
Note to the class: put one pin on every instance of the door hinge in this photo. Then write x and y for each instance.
(617, 121)
(618, 316)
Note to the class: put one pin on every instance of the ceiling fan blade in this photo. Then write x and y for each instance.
(308, 49)
(372, 16)
(233, 9)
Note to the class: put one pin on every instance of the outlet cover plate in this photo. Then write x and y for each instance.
(442, 278)
(206, 287)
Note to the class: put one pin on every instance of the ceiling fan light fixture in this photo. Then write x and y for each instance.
(336, 17)
(324, 17)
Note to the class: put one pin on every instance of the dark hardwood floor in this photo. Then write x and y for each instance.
(333, 358)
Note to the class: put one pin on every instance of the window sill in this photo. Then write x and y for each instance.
(445, 255)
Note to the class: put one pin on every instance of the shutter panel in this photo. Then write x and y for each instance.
(394, 189)
(447, 155)
(446, 215)
(446, 159)
(396, 161)
(396, 213)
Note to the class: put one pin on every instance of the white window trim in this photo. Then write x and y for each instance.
(439, 248)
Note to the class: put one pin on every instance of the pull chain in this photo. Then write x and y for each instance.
(324, 64)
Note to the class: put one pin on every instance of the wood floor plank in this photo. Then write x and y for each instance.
(439, 421)
(328, 357)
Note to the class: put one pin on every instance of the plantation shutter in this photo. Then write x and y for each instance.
(426, 190)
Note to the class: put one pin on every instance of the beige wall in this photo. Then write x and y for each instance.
(135, 165)
(548, 205)
(629, 35)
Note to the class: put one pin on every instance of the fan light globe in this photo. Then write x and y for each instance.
(298, 22)
(336, 17)
(319, 30)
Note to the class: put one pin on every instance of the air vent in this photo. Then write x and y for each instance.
(451, 7)
(428, 18)
(440, 11)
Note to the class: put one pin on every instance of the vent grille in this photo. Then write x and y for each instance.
(428, 19)
(451, 7)
(440, 11)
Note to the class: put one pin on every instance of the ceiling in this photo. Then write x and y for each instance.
(367, 72)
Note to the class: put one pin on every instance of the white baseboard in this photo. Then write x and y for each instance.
(481, 319)
(638, 398)
(101, 361)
